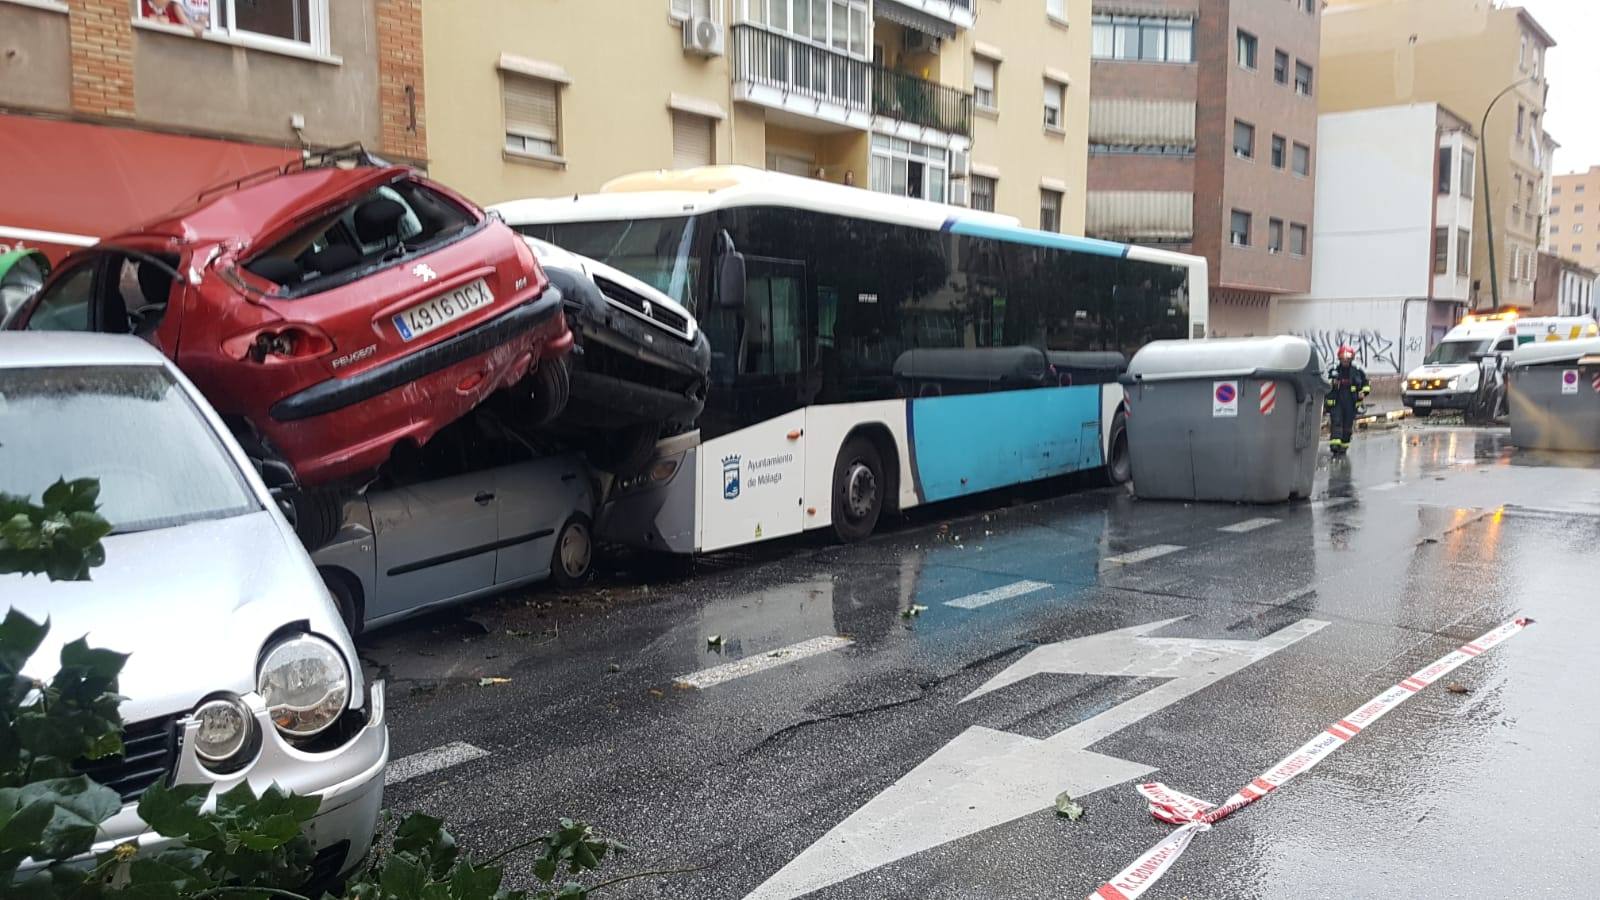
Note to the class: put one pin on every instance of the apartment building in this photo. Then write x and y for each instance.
(1574, 230)
(1484, 61)
(1202, 137)
(954, 101)
(1393, 234)
(112, 112)
(1564, 288)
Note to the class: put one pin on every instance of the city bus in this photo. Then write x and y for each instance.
(869, 353)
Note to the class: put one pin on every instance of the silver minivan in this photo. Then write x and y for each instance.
(240, 669)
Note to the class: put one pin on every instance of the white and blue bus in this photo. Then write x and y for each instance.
(870, 353)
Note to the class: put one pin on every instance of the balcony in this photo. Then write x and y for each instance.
(818, 82)
(954, 14)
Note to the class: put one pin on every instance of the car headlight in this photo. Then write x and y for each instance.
(225, 732)
(305, 684)
(1454, 382)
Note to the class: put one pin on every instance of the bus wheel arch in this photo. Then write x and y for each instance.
(866, 482)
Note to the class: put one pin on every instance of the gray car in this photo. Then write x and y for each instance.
(474, 512)
(240, 668)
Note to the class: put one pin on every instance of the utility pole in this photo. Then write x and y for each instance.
(1488, 211)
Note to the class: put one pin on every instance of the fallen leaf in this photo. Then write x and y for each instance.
(518, 633)
(714, 640)
(1457, 687)
(1068, 807)
(488, 680)
(656, 693)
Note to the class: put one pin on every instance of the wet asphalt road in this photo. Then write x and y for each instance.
(1423, 539)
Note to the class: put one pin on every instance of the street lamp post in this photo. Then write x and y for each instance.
(1483, 158)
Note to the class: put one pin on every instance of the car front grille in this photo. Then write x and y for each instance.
(655, 312)
(150, 749)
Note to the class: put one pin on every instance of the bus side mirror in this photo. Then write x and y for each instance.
(730, 275)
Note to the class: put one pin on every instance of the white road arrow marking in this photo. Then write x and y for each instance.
(986, 777)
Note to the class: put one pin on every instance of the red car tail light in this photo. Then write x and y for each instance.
(286, 343)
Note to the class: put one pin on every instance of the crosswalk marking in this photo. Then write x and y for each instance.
(761, 662)
(1146, 553)
(984, 598)
(1248, 525)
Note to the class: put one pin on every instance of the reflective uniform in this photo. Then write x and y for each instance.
(1350, 387)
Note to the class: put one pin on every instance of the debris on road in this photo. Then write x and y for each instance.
(714, 640)
(1456, 687)
(491, 680)
(912, 611)
(1068, 808)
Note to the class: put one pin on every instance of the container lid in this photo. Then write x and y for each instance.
(1540, 353)
(986, 364)
(1224, 357)
(1099, 360)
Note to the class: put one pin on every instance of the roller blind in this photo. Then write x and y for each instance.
(531, 108)
(691, 140)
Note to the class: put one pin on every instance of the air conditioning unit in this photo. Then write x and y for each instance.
(914, 41)
(960, 164)
(703, 36)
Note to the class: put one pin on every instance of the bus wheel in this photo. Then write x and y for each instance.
(1119, 465)
(858, 486)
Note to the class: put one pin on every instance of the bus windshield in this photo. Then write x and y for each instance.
(655, 251)
(1451, 353)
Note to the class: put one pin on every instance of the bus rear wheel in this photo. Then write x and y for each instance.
(858, 485)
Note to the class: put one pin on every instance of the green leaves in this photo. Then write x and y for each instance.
(1068, 808)
(59, 538)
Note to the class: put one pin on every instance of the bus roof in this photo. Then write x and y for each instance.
(665, 193)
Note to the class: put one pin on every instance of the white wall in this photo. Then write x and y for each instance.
(1390, 335)
(1375, 202)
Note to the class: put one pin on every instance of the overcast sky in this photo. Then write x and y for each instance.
(1573, 114)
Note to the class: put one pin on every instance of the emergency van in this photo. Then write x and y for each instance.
(1463, 371)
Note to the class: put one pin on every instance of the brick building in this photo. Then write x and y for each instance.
(114, 111)
(1202, 136)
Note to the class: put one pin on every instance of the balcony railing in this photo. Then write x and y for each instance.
(921, 102)
(814, 71)
(817, 72)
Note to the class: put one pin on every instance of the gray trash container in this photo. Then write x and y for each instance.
(1554, 394)
(1229, 419)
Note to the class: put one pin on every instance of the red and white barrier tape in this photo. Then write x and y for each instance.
(1194, 816)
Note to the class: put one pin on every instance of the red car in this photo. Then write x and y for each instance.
(329, 312)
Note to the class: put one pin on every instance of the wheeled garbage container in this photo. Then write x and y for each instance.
(1554, 394)
(1224, 419)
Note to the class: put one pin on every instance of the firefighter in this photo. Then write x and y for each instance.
(1349, 388)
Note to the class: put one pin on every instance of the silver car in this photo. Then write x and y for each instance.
(473, 512)
(240, 668)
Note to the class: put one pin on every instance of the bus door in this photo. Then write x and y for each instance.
(752, 479)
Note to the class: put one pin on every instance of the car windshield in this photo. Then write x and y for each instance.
(658, 252)
(132, 427)
(1452, 352)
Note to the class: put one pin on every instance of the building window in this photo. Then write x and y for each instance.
(1247, 49)
(843, 23)
(1311, 6)
(1239, 229)
(1555, 229)
(1463, 251)
(1049, 210)
(1056, 9)
(693, 140)
(1441, 251)
(1274, 235)
(1054, 99)
(1555, 191)
(1577, 208)
(696, 9)
(1522, 115)
(1297, 240)
(533, 115)
(909, 169)
(295, 21)
(1445, 179)
(1302, 159)
(1244, 139)
(983, 72)
(1280, 151)
(1468, 160)
(983, 193)
(1522, 54)
(1555, 210)
(1149, 39)
(1280, 67)
(1578, 189)
(1302, 79)
(1578, 228)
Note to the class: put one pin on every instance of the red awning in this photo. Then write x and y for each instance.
(64, 185)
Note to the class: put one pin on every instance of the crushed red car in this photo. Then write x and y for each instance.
(331, 312)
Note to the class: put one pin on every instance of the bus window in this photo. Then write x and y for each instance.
(773, 317)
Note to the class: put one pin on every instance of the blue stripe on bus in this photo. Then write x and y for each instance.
(1037, 238)
(977, 442)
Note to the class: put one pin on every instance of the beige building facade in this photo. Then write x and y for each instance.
(1574, 229)
(966, 102)
(1463, 54)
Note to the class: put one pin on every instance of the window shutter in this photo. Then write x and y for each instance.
(691, 140)
(983, 74)
(531, 108)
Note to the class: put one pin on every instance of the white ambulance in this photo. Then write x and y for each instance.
(1463, 371)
